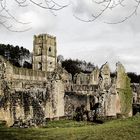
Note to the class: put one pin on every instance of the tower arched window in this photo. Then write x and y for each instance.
(39, 50)
(39, 66)
(49, 49)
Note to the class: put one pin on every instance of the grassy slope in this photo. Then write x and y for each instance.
(128, 129)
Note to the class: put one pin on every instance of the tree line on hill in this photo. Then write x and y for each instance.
(77, 66)
(134, 77)
(22, 57)
(18, 56)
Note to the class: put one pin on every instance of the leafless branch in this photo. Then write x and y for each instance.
(52, 5)
(134, 12)
(21, 3)
(94, 17)
(107, 5)
(8, 18)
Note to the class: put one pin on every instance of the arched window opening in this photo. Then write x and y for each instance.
(49, 49)
(39, 66)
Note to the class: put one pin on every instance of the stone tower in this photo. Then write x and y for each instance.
(44, 52)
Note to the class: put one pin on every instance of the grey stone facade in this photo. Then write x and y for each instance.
(48, 91)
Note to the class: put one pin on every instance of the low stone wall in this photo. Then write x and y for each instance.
(84, 87)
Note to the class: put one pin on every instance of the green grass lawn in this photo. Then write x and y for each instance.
(123, 129)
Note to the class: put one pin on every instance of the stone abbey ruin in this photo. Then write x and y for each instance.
(48, 91)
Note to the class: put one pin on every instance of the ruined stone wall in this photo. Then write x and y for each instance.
(109, 101)
(124, 90)
(136, 93)
(32, 101)
(15, 73)
(48, 91)
(37, 95)
(82, 79)
(113, 94)
(29, 74)
(55, 105)
(72, 101)
(87, 79)
(105, 75)
(94, 76)
(29, 94)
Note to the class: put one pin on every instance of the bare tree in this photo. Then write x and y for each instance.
(103, 6)
(99, 8)
(7, 19)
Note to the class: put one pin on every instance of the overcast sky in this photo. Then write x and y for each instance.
(96, 41)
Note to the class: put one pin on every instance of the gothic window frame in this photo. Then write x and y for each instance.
(50, 49)
(39, 66)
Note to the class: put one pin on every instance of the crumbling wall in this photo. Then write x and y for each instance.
(124, 90)
(108, 90)
(72, 101)
(82, 79)
(105, 75)
(28, 74)
(94, 76)
(34, 96)
(31, 104)
(29, 99)
(136, 92)
(65, 77)
(55, 105)
(23, 104)
(111, 101)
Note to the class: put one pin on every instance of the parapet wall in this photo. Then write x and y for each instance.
(16, 73)
(29, 74)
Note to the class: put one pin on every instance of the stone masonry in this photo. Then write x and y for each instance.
(48, 92)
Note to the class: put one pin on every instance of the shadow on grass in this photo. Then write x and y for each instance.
(98, 121)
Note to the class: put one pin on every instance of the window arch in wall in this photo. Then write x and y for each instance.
(39, 50)
(50, 49)
(39, 66)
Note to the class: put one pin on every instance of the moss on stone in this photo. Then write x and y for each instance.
(125, 94)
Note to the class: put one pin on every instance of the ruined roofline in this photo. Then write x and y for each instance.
(43, 34)
(117, 64)
(106, 63)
